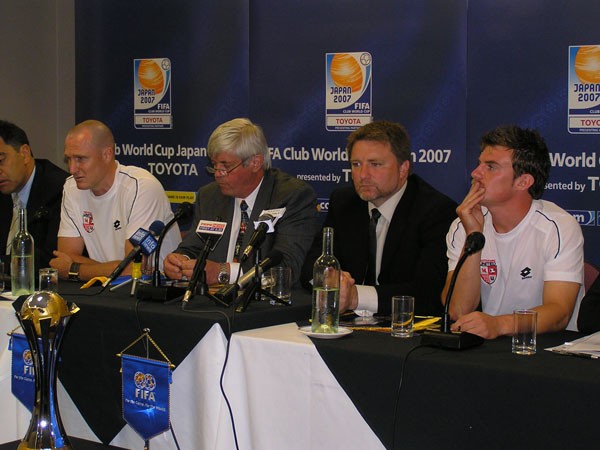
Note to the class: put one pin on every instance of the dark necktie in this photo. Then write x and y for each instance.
(244, 219)
(370, 278)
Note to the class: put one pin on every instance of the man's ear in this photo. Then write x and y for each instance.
(257, 162)
(25, 151)
(524, 182)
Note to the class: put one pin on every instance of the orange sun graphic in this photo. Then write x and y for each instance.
(150, 76)
(587, 64)
(345, 71)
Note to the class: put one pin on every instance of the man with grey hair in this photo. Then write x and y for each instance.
(244, 186)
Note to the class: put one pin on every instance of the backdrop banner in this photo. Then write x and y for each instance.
(164, 75)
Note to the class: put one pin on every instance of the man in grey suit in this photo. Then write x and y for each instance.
(244, 179)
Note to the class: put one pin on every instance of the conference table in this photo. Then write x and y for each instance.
(367, 390)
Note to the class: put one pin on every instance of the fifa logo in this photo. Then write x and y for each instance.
(145, 383)
(28, 363)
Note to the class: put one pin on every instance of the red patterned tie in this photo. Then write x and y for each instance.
(243, 224)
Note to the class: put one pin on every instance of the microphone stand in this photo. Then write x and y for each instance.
(255, 290)
(136, 275)
(446, 338)
(155, 292)
(198, 285)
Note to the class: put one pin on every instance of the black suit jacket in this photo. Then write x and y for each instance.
(43, 212)
(414, 258)
(294, 231)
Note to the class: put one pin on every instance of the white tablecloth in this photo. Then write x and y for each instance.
(284, 396)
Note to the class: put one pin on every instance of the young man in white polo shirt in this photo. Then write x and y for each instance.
(533, 254)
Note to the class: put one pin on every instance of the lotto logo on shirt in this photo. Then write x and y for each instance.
(488, 270)
(88, 221)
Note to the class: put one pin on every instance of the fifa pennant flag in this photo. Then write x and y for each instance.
(146, 394)
(23, 375)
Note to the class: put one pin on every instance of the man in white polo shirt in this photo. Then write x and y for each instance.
(533, 253)
(104, 203)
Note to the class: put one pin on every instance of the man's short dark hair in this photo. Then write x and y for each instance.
(529, 153)
(12, 135)
(384, 131)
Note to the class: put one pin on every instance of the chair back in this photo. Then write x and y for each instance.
(590, 273)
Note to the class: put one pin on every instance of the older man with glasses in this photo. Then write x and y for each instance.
(246, 185)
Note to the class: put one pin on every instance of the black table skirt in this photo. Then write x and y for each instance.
(480, 398)
(107, 323)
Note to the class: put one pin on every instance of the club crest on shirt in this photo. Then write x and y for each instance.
(489, 270)
(88, 221)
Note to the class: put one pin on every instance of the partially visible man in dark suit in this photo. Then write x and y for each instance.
(37, 184)
(410, 256)
(245, 184)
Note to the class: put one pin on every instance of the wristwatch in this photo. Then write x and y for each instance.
(223, 276)
(74, 272)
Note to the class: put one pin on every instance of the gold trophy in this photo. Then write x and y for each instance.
(44, 316)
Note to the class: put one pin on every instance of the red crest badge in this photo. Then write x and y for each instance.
(489, 270)
(88, 221)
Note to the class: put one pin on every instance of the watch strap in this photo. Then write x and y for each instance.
(74, 272)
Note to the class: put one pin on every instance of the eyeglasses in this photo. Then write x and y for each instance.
(222, 172)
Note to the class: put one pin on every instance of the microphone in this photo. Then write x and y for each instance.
(184, 211)
(262, 226)
(447, 338)
(143, 242)
(211, 232)
(229, 292)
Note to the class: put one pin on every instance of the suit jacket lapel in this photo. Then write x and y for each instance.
(263, 201)
(399, 221)
(223, 208)
(37, 195)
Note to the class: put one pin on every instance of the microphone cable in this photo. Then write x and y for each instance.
(404, 361)
(229, 329)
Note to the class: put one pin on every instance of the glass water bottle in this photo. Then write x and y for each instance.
(22, 279)
(326, 288)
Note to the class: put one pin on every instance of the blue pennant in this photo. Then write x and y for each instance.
(146, 395)
(23, 376)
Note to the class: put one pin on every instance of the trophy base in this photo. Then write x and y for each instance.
(24, 446)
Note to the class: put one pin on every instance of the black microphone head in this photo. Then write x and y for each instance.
(475, 242)
(184, 211)
(156, 227)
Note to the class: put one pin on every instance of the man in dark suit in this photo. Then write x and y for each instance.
(410, 257)
(37, 184)
(241, 165)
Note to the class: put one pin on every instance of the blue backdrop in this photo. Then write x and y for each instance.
(447, 72)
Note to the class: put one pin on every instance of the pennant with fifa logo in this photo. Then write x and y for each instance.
(146, 394)
(146, 391)
(23, 375)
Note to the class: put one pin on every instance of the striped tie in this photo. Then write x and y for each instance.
(243, 224)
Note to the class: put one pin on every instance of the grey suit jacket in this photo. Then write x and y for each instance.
(294, 231)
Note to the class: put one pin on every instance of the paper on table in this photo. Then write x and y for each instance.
(587, 347)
